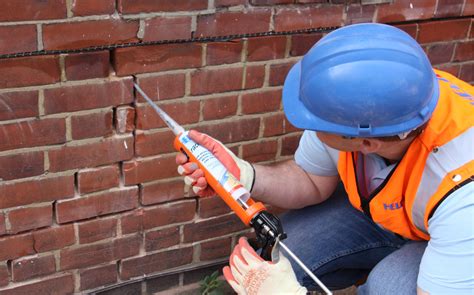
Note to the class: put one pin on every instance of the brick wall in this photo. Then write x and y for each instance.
(89, 194)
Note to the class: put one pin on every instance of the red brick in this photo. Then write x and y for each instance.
(18, 38)
(96, 230)
(210, 228)
(276, 125)
(16, 105)
(92, 125)
(88, 96)
(233, 23)
(54, 238)
(92, 7)
(156, 193)
(169, 213)
(135, 267)
(162, 238)
(27, 268)
(218, 53)
(163, 283)
(21, 165)
(404, 10)
(155, 143)
(58, 285)
(137, 6)
(3, 227)
(410, 29)
(17, 72)
(107, 151)
(97, 179)
(12, 247)
(124, 119)
(89, 33)
(45, 189)
(181, 112)
(467, 72)
(215, 249)
(98, 277)
(88, 255)
(288, 19)
(87, 65)
(278, 73)
(468, 9)
(443, 30)
(289, 144)
(162, 87)
(132, 222)
(464, 51)
(145, 170)
(216, 80)
(156, 58)
(260, 151)
(33, 133)
(30, 218)
(228, 3)
(359, 14)
(447, 8)
(235, 131)
(300, 44)
(212, 206)
(17, 10)
(255, 77)
(440, 53)
(266, 48)
(4, 275)
(261, 102)
(167, 28)
(97, 205)
(219, 108)
(270, 2)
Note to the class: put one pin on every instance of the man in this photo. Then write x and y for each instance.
(399, 135)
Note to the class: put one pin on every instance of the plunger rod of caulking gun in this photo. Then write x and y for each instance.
(227, 186)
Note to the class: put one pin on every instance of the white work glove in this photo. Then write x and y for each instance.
(194, 176)
(249, 274)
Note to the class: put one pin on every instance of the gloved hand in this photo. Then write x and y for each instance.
(251, 275)
(194, 176)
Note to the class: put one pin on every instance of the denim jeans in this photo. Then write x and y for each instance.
(342, 247)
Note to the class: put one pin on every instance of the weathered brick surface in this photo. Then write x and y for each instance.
(3, 226)
(30, 218)
(17, 39)
(267, 48)
(220, 107)
(260, 151)
(97, 277)
(92, 7)
(223, 53)
(288, 19)
(87, 65)
(209, 228)
(215, 249)
(21, 165)
(18, 10)
(14, 194)
(17, 105)
(4, 275)
(403, 10)
(167, 28)
(96, 179)
(88, 33)
(182, 112)
(24, 269)
(161, 239)
(54, 238)
(155, 193)
(96, 230)
(162, 87)
(97, 205)
(261, 102)
(92, 125)
(136, 6)
(443, 31)
(212, 206)
(12, 247)
(17, 72)
(63, 284)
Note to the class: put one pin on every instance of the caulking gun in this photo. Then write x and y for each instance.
(267, 226)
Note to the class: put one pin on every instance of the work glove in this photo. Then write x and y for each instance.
(194, 176)
(249, 274)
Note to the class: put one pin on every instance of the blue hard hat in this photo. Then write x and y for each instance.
(362, 80)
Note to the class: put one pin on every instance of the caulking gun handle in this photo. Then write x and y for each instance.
(246, 214)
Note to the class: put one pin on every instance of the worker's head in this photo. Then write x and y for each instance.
(365, 81)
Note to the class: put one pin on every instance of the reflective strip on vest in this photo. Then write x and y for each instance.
(455, 153)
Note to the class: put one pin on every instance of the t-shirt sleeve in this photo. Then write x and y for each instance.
(315, 157)
(447, 266)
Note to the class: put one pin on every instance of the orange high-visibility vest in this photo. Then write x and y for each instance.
(437, 162)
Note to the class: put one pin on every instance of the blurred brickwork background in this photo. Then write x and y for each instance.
(89, 194)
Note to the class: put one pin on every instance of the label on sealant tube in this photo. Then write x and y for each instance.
(216, 169)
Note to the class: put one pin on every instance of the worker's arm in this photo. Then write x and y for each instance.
(285, 184)
(448, 262)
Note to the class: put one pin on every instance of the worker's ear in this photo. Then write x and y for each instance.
(370, 145)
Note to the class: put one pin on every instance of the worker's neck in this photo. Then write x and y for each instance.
(393, 151)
